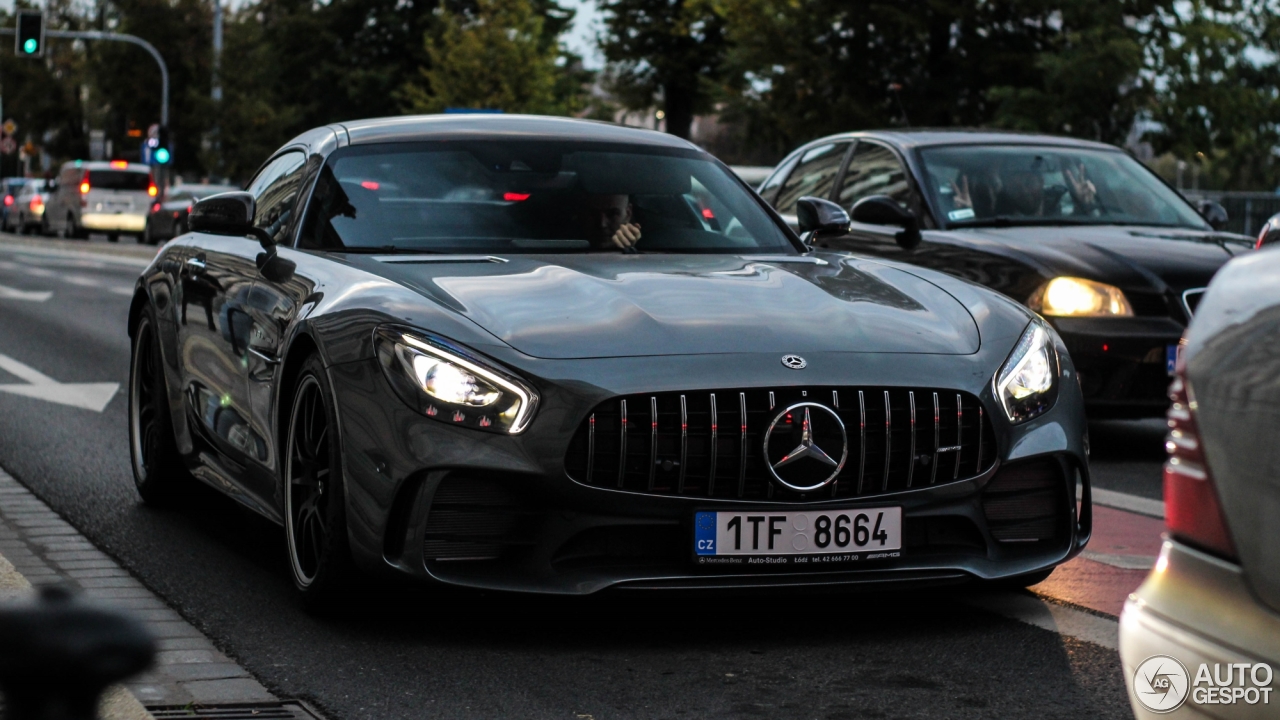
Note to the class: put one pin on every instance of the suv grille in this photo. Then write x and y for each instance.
(709, 444)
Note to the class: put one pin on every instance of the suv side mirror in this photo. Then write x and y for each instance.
(884, 210)
(228, 214)
(1213, 213)
(816, 216)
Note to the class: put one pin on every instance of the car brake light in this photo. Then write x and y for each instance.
(119, 164)
(36, 203)
(84, 188)
(155, 208)
(515, 197)
(706, 213)
(370, 185)
(1192, 512)
(8, 200)
(152, 190)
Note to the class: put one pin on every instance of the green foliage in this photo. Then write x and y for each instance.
(496, 55)
(668, 52)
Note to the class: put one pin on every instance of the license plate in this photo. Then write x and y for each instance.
(1172, 353)
(864, 532)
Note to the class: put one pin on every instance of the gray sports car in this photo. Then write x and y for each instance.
(553, 355)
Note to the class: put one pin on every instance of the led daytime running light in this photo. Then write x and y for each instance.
(525, 410)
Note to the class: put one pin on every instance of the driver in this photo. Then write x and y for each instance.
(607, 222)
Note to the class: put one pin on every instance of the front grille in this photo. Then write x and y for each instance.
(1026, 501)
(709, 444)
(475, 518)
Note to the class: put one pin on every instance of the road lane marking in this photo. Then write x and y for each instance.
(89, 396)
(1124, 562)
(1051, 616)
(1130, 503)
(8, 293)
(103, 255)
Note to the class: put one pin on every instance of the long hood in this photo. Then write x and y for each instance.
(587, 306)
(1119, 255)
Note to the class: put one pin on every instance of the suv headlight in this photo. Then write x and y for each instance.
(1027, 384)
(1077, 297)
(447, 383)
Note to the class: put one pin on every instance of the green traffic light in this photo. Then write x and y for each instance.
(30, 46)
(162, 155)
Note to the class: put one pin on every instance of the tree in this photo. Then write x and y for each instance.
(496, 55)
(668, 52)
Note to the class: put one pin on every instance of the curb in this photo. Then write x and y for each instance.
(38, 546)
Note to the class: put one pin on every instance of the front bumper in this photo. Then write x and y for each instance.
(1122, 363)
(116, 222)
(1199, 610)
(411, 479)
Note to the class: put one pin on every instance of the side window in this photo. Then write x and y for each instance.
(275, 191)
(875, 170)
(813, 176)
(773, 183)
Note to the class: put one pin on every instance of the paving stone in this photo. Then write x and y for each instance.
(77, 555)
(109, 582)
(118, 593)
(185, 643)
(98, 573)
(156, 615)
(173, 629)
(174, 657)
(159, 693)
(150, 602)
(87, 564)
(230, 690)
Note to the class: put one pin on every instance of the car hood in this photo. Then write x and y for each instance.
(1126, 256)
(607, 305)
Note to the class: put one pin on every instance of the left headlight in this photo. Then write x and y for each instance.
(447, 383)
(1027, 384)
(1078, 297)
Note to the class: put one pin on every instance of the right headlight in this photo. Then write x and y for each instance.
(1077, 297)
(447, 383)
(1027, 383)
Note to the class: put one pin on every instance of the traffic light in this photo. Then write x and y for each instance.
(162, 153)
(29, 37)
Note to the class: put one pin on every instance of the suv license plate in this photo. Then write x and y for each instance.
(810, 532)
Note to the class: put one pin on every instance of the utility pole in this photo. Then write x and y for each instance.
(216, 93)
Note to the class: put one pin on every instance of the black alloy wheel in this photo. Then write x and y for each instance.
(315, 513)
(158, 471)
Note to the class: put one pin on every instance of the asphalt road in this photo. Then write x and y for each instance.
(409, 653)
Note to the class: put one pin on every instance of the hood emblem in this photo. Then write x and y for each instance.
(815, 450)
(795, 362)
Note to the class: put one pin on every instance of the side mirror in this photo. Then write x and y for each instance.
(228, 214)
(1213, 213)
(1270, 233)
(816, 217)
(884, 210)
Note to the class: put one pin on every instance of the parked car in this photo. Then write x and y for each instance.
(1269, 234)
(168, 218)
(1078, 231)
(106, 197)
(1213, 598)
(27, 213)
(558, 356)
(10, 187)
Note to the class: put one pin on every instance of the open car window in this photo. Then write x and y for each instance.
(531, 196)
(982, 185)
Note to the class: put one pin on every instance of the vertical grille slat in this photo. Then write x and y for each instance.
(676, 461)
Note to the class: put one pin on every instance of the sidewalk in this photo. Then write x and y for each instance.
(37, 546)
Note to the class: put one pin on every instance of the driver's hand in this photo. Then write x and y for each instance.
(627, 236)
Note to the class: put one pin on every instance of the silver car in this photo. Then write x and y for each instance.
(105, 197)
(1202, 634)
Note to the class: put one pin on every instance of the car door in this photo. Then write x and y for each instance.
(217, 279)
(274, 302)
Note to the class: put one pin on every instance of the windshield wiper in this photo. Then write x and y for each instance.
(1007, 221)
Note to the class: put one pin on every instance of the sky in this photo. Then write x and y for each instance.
(582, 38)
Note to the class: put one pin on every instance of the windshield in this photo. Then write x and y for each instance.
(119, 180)
(533, 196)
(1030, 185)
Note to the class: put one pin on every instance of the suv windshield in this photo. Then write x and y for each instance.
(978, 185)
(119, 180)
(533, 196)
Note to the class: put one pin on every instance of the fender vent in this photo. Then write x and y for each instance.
(1026, 501)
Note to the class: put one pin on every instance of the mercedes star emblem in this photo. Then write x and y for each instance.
(795, 362)
(806, 465)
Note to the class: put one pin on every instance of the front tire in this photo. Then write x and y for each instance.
(315, 507)
(158, 471)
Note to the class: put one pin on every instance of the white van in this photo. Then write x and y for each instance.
(107, 197)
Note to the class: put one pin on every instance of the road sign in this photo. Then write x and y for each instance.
(8, 146)
(10, 127)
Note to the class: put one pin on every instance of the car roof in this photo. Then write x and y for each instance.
(908, 138)
(502, 127)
